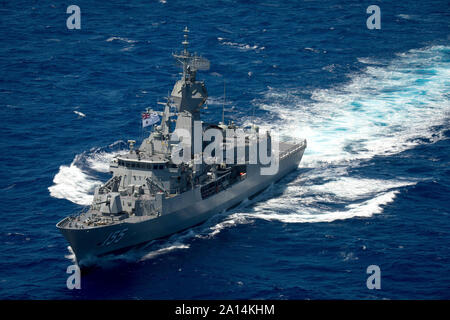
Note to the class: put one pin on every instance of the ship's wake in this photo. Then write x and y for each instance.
(384, 110)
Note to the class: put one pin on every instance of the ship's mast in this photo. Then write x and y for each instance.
(190, 62)
(186, 55)
(189, 94)
(223, 104)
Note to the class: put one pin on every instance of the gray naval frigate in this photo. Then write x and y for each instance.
(152, 194)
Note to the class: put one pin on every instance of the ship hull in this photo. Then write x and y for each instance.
(90, 243)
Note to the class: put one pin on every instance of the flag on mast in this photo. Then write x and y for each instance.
(149, 118)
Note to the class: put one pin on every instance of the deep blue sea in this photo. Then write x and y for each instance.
(372, 189)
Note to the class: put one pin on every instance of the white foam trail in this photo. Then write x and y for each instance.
(164, 250)
(301, 203)
(159, 247)
(347, 188)
(382, 111)
(230, 221)
(364, 209)
(73, 184)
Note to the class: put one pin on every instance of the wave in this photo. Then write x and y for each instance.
(382, 111)
(240, 46)
(73, 184)
(366, 60)
(77, 181)
(123, 40)
(365, 209)
(159, 247)
(110, 39)
(408, 16)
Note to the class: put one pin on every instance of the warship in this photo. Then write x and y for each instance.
(175, 180)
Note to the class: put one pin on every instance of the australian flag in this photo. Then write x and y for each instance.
(149, 118)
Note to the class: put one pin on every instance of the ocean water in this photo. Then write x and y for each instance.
(372, 188)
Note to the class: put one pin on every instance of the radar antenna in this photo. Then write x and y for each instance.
(190, 62)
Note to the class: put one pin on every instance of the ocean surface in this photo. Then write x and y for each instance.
(372, 188)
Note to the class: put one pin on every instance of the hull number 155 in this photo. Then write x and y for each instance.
(114, 237)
